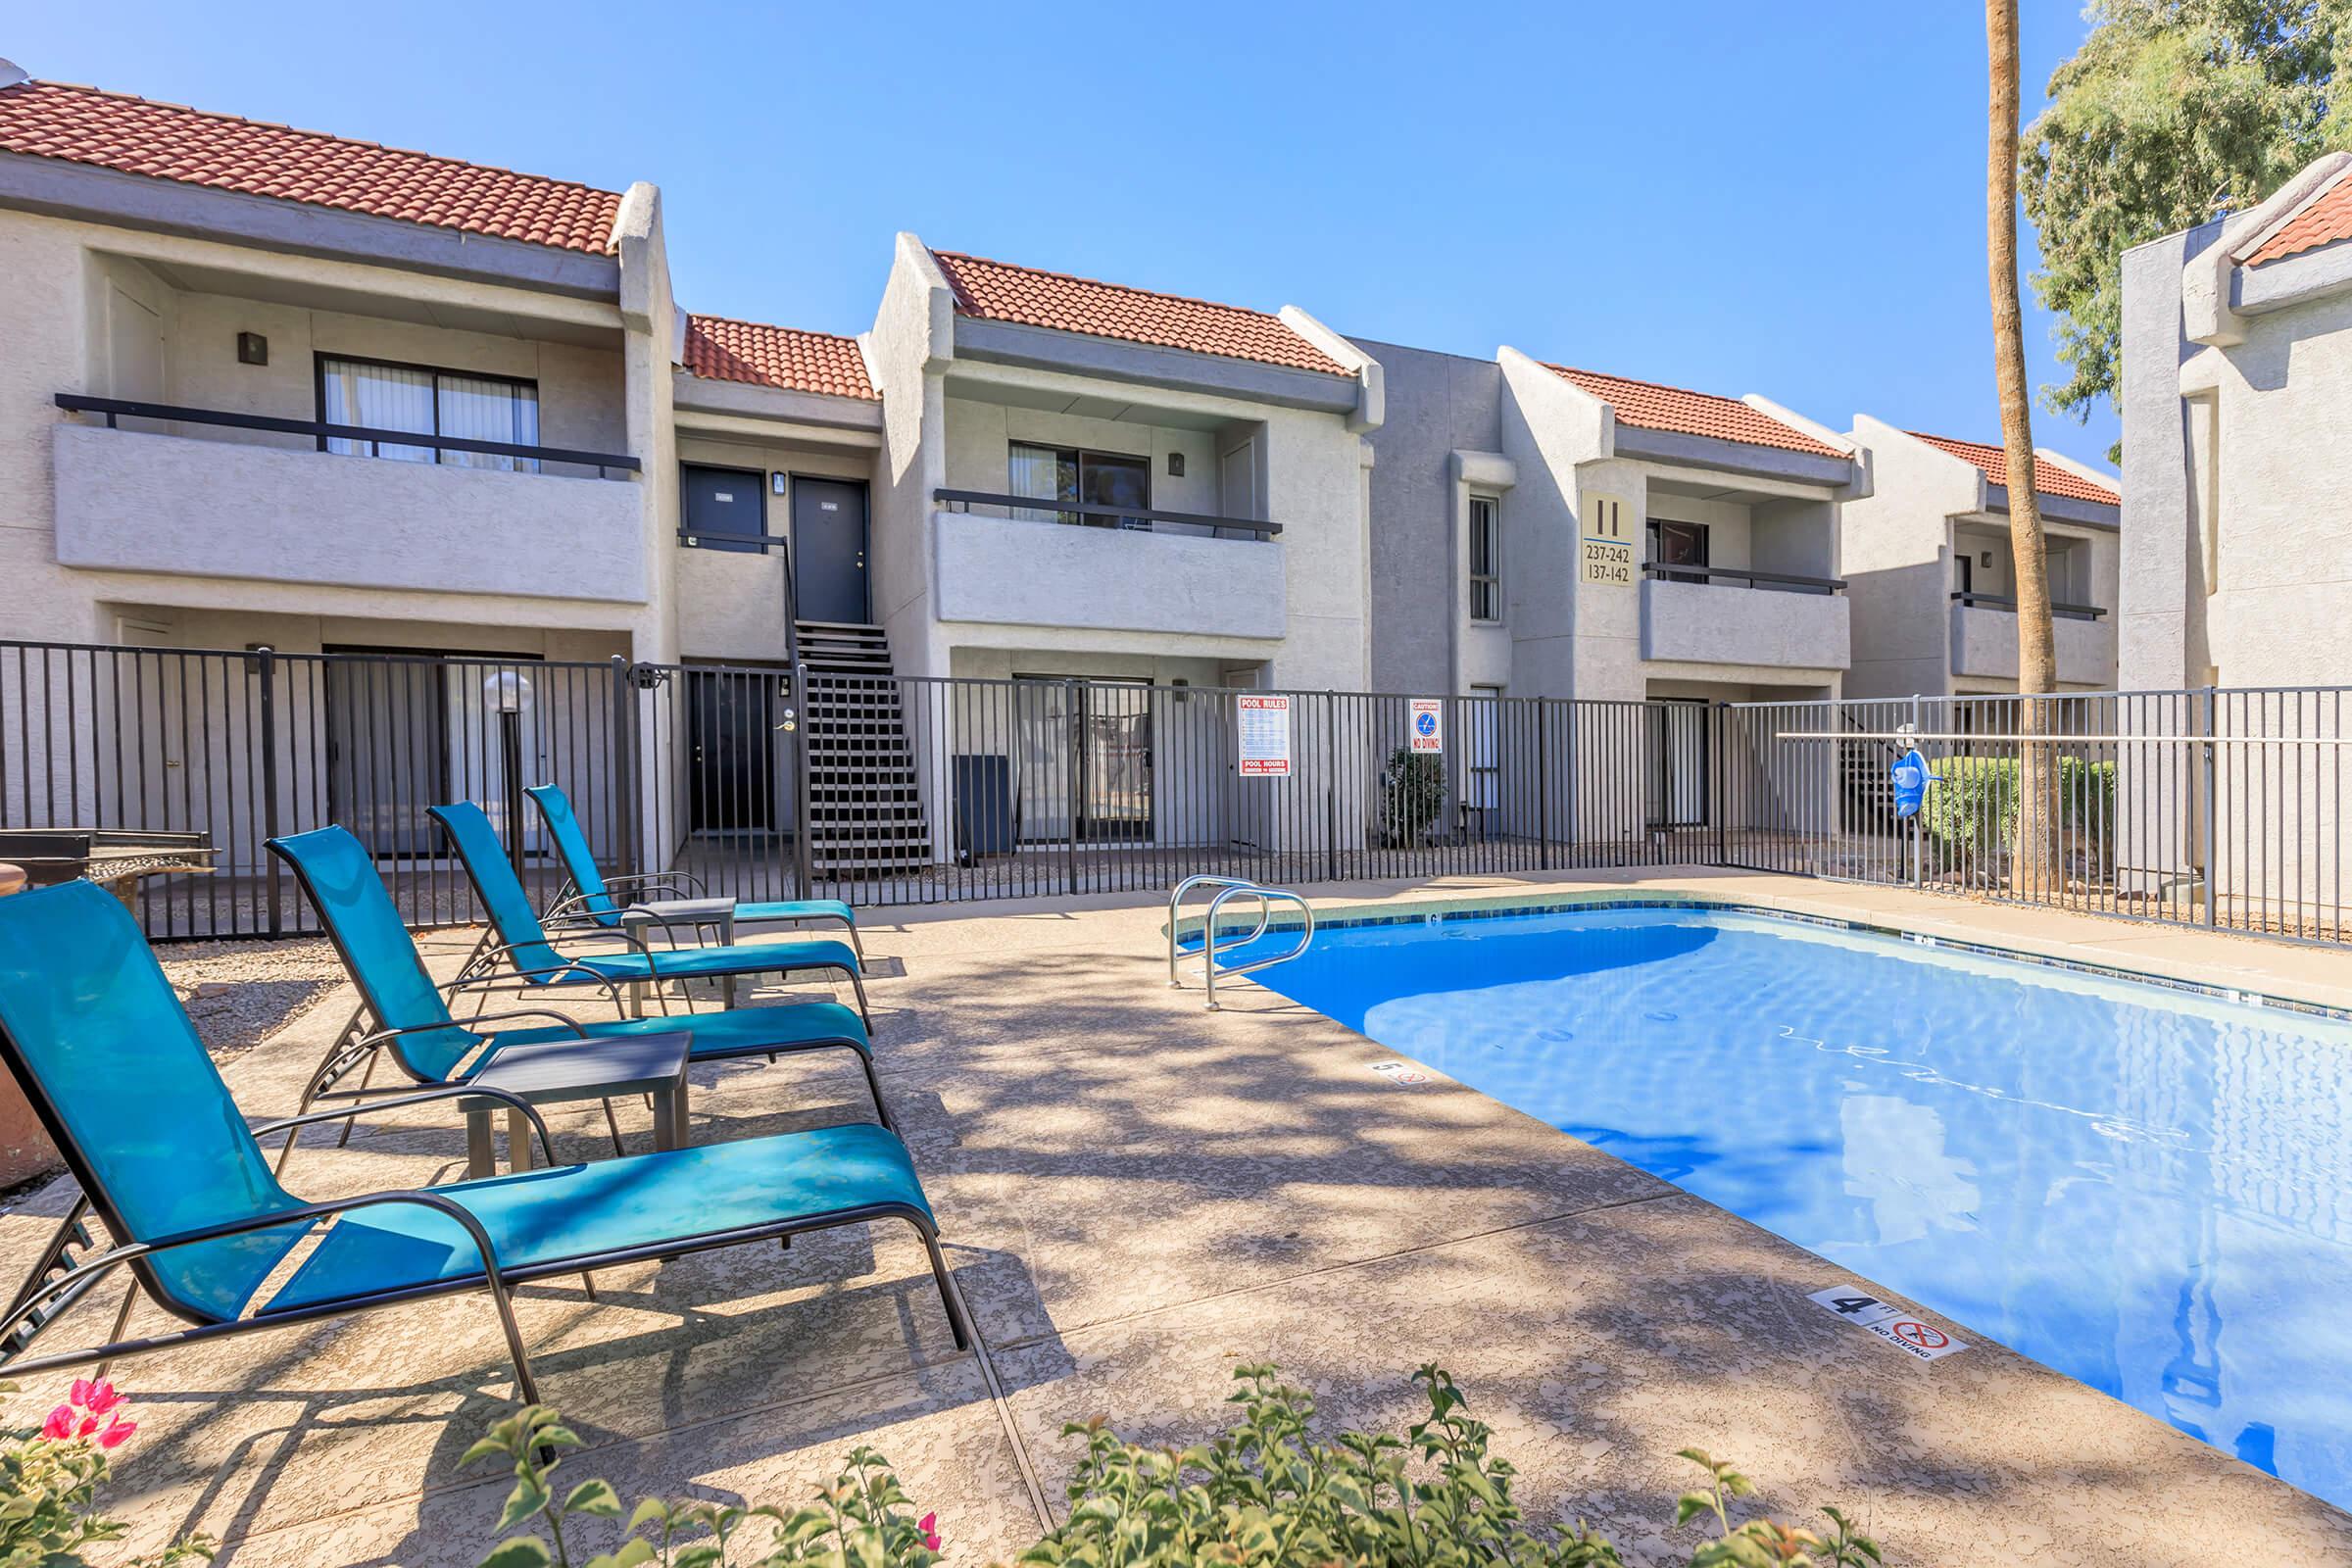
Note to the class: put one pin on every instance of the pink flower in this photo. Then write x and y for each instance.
(88, 1414)
(95, 1397)
(927, 1524)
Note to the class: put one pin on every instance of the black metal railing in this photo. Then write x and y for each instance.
(1088, 514)
(1770, 581)
(2217, 808)
(117, 409)
(1963, 596)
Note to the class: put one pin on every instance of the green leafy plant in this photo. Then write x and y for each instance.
(1412, 793)
(1973, 809)
(49, 1480)
(1263, 1495)
(863, 1520)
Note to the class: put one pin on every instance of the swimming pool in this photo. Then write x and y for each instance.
(2147, 1188)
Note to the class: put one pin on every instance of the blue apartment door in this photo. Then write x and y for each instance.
(828, 543)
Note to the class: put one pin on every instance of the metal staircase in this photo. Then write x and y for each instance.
(865, 807)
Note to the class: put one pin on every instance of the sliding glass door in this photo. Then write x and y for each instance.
(1084, 758)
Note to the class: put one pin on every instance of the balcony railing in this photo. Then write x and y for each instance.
(1996, 602)
(119, 409)
(1772, 581)
(1088, 514)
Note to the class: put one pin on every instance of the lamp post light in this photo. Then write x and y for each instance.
(507, 694)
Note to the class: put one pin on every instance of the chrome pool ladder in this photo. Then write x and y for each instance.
(1230, 888)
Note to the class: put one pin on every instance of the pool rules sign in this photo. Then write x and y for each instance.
(1265, 734)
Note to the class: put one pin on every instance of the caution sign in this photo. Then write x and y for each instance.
(1265, 735)
(1922, 1341)
(1427, 724)
(1605, 552)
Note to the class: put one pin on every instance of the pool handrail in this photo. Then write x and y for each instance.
(1265, 897)
(1176, 897)
(1228, 888)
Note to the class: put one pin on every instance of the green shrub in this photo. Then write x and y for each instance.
(1265, 1494)
(1412, 793)
(1975, 806)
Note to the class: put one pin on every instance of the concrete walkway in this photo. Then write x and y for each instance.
(1137, 1195)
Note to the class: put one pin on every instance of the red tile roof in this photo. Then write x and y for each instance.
(1648, 405)
(2048, 477)
(721, 350)
(999, 291)
(2323, 221)
(112, 130)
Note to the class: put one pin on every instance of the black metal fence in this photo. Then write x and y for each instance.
(2220, 809)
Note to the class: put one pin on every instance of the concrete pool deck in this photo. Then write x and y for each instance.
(1135, 1196)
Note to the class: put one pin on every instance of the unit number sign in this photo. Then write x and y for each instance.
(1605, 553)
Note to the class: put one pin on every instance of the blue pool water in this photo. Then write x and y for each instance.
(2146, 1190)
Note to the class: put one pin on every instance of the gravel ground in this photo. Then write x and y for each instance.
(241, 993)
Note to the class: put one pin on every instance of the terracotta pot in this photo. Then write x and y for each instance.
(25, 1148)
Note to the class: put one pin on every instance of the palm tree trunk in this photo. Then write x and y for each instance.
(2035, 865)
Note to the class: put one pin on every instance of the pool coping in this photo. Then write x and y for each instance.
(1440, 911)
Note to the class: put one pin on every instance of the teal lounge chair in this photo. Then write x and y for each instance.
(590, 892)
(414, 1025)
(525, 945)
(106, 1056)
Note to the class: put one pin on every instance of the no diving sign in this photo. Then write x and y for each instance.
(1428, 724)
(1923, 1342)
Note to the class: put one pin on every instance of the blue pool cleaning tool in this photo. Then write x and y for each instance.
(1911, 780)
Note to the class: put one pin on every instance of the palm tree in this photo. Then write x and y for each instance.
(2033, 865)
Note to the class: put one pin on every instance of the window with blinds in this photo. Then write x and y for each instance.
(378, 395)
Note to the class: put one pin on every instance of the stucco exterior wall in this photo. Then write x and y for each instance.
(65, 325)
(1757, 630)
(2274, 470)
(1898, 573)
(1013, 572)
(980, 435)
(132, 501)
(579, 385)
(1983, 650)
(1311, 466)
(1423, 640)
(908, 353)
(1552, 433)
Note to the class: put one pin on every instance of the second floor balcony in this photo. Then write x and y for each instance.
(1735, 616)
(211, 493)
(1008, 559)
(1985, 641)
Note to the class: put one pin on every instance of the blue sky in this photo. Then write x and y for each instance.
(1733, 197)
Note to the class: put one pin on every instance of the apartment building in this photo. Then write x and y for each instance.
(273, 388)
(2237, 379)
(276, 388)
(1544, 531)
(1930, 573)
(1539, 530)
